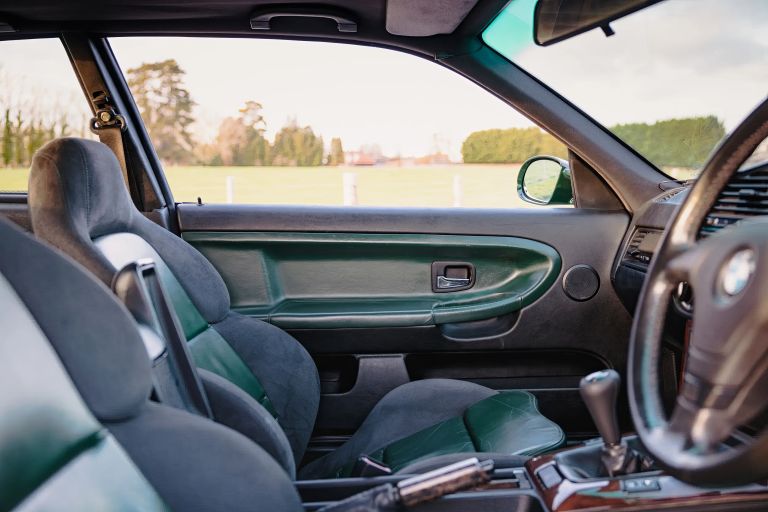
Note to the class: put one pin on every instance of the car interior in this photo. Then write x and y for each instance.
(602, 349)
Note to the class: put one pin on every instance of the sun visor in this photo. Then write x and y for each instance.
(423, 18)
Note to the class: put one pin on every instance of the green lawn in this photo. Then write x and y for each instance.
(489, 186)
(481, 186)
(13, 180)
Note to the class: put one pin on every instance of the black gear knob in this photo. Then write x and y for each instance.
(599, 391)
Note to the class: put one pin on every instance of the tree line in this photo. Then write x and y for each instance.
(683, 142)
(511, 145)
(670, 143)
(167, 107)
(22, 133)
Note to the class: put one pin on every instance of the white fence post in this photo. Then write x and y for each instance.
(458, 192)
(350, 188)
(230, 186)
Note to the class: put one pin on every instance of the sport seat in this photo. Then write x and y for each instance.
(262, 382)
(77, 429)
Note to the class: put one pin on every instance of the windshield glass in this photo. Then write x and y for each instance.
(671, 82)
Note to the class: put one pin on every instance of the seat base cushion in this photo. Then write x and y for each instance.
(436, 417)
(198, 465)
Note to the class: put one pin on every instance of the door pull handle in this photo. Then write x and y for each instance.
(452, 276)
(447, 283)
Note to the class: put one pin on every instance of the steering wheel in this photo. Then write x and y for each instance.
(725, 382)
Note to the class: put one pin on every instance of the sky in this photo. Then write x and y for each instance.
(679, 58)
(363, 95)
(36, 76)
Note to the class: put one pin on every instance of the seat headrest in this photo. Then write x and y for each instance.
(77, 195)
(85, 177)
(92, 333)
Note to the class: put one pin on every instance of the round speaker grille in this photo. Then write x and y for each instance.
(581, 282)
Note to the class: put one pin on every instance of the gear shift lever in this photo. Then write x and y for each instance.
(599, 391)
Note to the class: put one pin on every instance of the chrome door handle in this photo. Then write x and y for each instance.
(446, 283)
(452, 276)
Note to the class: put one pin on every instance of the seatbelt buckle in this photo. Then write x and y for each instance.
(366, 466)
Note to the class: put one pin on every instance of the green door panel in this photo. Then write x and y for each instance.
(333, 313)
(335, 280)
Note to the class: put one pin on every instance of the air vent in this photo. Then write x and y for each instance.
(642, 246)
(745, 196)
(636, 240)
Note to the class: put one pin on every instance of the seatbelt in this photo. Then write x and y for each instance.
(174, 375)
(109, 127)
(107, 124)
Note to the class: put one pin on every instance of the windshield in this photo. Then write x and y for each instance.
(671, 82)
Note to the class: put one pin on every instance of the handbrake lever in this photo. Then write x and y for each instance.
(461, 476)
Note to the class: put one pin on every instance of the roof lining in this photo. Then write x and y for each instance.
(24, 16)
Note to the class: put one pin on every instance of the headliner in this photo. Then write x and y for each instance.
(232, 18)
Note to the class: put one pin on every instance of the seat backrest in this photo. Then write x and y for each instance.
(72, 360)
(53, 451)
(79, 203)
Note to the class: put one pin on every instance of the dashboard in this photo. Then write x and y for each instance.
(640, 243)
(745, 196)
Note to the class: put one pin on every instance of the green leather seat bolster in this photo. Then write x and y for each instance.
(53, 452)
(508, 422)
(212, 352)
(208, 348)
(102, 478)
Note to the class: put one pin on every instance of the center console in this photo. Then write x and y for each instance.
(560, 488)
(509, 490)
(617, 473)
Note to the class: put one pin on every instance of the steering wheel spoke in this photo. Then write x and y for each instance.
(703, 415)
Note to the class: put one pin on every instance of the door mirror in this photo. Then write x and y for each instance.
(545, 180)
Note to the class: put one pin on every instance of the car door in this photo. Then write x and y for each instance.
(390, 268)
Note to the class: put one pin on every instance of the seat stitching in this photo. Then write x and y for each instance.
(475, 443)
(87, 185)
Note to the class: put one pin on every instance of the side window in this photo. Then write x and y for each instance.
(286, 122)
(40, 99)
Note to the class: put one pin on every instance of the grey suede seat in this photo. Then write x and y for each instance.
(78, 431)
(259, 379)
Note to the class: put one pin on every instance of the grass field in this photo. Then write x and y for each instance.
(13, 180)
(489, 186)
(481, 186)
